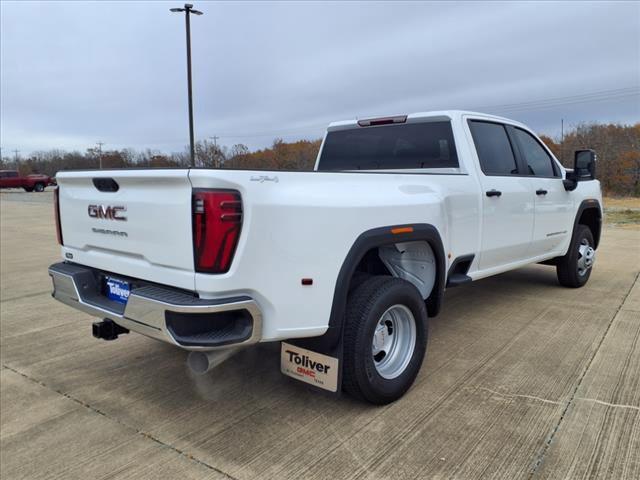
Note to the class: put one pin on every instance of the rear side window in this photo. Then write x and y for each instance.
(494, 148)
(405, 146)
(539, 162)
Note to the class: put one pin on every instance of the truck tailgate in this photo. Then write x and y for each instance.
(142, 230)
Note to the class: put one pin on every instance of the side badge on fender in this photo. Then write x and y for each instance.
(264, 178)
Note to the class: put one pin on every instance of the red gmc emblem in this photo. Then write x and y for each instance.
(107, 212)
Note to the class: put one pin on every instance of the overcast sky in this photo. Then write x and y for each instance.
(74, 73)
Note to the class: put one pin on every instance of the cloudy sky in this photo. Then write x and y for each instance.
(74, 73)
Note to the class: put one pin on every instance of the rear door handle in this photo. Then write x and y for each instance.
(494, 193)
(541, 191)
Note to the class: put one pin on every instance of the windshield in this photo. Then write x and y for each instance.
(404, 146)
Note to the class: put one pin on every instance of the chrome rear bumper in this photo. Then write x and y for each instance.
(161, 312)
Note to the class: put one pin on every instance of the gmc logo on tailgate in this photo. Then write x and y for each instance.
(107, 212)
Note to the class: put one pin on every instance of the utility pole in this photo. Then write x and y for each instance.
(215, 148)
(100, 152)
(16, 152)
(188, 10)
(562, 140)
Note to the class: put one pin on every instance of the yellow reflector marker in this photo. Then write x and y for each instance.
(396, 231)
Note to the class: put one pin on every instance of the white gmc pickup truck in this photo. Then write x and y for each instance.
(344, 264)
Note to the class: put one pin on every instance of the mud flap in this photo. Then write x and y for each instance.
(314, 361)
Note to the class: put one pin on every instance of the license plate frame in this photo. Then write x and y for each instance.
(116, 289)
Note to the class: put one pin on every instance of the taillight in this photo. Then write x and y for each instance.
(56, 212)
(217, 220)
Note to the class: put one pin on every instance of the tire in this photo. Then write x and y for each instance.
(377, 367)
(28, 189)
(574, 269)
(358, 279)
(39, 187)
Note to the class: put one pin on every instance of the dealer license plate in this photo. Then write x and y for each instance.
(117, 290)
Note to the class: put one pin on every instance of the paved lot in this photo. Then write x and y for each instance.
(523, 379)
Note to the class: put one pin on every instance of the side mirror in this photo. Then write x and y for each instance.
(584, 165)
(584, 168)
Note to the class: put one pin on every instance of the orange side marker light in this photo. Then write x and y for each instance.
(398, 230)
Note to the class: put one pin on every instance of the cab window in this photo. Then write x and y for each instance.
(420, 145)
(494, 148)
(539, 162)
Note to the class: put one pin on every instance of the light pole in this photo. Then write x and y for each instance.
(188, 10)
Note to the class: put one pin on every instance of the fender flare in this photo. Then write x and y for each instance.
(379, 237)
(590, 204)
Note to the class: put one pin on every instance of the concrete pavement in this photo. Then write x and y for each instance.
(523, 379)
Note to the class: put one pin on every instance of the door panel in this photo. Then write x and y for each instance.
(11, 180)
(507, 221)
(552, 210)
(552, 225)
(508, 206)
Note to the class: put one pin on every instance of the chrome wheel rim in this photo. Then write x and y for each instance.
(394, 340)
(586, 257)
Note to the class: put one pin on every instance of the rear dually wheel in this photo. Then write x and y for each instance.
(385, 339)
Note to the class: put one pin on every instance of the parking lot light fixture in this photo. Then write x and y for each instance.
(188, 10)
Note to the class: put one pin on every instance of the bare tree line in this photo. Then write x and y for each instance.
(617, 146)
(618, 150)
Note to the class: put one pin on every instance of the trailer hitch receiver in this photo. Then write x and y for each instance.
(107, 329)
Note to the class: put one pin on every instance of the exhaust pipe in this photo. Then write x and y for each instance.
(201, 362)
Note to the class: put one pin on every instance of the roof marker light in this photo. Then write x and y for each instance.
(372, 122)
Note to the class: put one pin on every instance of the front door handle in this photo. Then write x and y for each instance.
(494, 193)
(541, 191)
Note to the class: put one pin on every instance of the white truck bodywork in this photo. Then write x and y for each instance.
(302, 225)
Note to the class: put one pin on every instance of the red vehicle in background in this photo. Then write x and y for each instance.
(13, 179)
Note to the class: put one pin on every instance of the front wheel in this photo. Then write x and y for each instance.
(574, 269)
(39, 187)
(385, 339)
